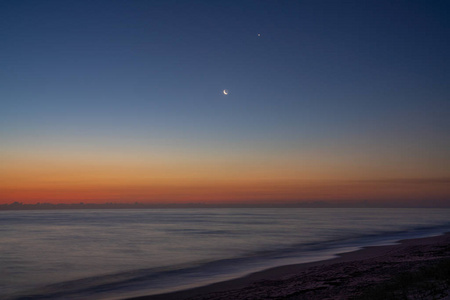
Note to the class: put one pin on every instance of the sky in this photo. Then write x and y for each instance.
(122, 101)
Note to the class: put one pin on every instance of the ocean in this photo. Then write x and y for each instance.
(115, 254)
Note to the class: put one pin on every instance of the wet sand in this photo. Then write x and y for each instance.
(349, 276)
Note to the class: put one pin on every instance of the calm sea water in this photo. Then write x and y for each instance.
(114, 254)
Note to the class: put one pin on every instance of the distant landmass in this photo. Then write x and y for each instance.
(110, 205)
(139, 205)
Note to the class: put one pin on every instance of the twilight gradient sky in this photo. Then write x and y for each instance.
(121, 101)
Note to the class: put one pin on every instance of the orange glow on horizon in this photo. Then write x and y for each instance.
(231, 192)
(127, 179)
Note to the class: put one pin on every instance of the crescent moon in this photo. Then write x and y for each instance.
(225, 92)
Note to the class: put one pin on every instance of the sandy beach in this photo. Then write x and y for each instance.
(411, 269)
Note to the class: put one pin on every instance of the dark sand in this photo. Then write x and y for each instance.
(346, 277)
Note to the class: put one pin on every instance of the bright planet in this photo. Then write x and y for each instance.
(225, 92)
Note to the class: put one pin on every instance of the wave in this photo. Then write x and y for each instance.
(149, 281)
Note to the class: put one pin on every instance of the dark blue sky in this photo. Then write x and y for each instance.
(337, 79)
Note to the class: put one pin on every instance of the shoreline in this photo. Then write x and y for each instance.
(368, 267)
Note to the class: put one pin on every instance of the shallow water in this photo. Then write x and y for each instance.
(112, 254)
